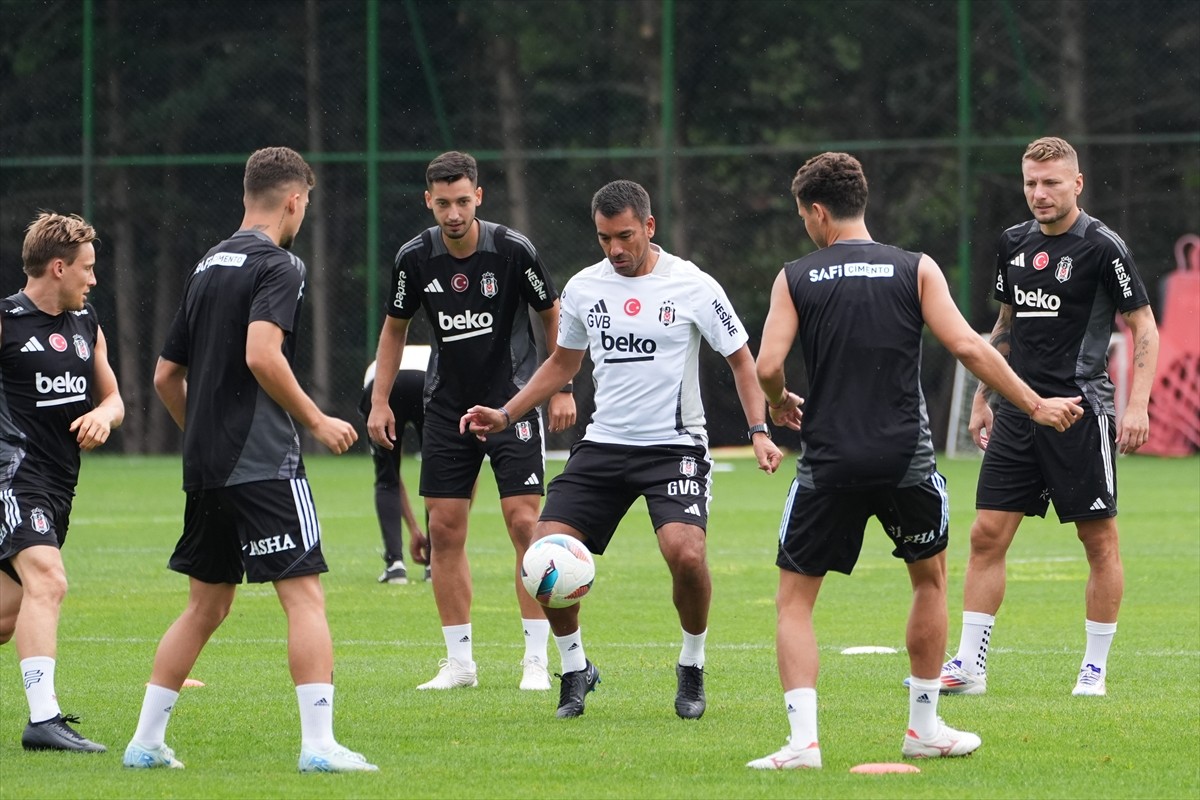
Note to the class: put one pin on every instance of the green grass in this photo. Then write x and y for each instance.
(239, 735)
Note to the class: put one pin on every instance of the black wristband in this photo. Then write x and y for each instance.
(568, 389)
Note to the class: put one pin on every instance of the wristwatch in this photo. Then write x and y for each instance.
(759, 428)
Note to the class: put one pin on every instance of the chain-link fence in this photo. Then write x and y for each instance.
(141, 113)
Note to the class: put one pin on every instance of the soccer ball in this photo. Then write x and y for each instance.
(558, 570)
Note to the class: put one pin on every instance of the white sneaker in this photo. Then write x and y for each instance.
(139, 757)
(339, 759)
(946, 742)
(452, 673)
(790, 758)
(957, 680)
(1090, 683)
(535, 677)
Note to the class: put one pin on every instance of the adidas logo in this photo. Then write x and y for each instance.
(464, 640)
(791, 709)
(923, 699)
(322, 703)
(692, 509)
(599, 308)
(1019, 261)
(572, 647)
(32, 346)
(169, 709)
(532, 480)
(434, 287)
(1098, 505)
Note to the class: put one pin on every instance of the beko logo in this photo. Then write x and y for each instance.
(471, 323)
(73, 386)
(1042, 304)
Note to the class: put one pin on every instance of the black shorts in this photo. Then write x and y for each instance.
(822, 531)
(450, 460)
(31, 518)
(266, 530)
(601, 481)
(1027, 465)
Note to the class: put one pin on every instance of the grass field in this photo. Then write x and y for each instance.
(239, 735)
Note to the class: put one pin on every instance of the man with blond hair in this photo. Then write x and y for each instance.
(1061, 278)
(58, 396)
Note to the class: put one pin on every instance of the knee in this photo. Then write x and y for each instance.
(1101, 547)
(8, 624)
(987, 540)
(46, 588)
(210, 615)
(689, 558)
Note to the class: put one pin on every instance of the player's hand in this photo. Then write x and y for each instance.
(336, 434)
(980, 424)
(381, 425)
(481, 420)
(1059, 413)
(768, 454)
(562, 411)
(1133, 429)
(789, 414)
(92, 429)
(418, 546)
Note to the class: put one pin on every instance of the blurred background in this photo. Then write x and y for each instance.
(139, 114)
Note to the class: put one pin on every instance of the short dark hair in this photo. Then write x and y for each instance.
(274, 168)
(836, 181)
(451, 167)
(613, 198)
(52, 236)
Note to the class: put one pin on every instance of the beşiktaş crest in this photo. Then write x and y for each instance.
(488, 285)
(687, 467)
(524, 431)
(81, 347)
(666, 313)
(1063, 271)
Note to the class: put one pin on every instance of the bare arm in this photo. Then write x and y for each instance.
(552, 375)
(779, 332)
(946, 322)
(1133, 428)
(93, 428)
(264, 357)
(562, 404)
(170, 382)
(980, 421)
(381, 422)
(753, 402)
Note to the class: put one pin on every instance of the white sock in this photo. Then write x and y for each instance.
(1099, 640)
(38, 673)
(922, 706)
(692, 654)
(316, 716)
(570, 649)
(157, 705)
(973, 646)
(458, 642)
(537, 637)
(801, 707)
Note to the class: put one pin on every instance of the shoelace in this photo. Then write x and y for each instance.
(1089, 676)
(690, 682)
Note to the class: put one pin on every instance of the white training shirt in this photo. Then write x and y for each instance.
(643, 335)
